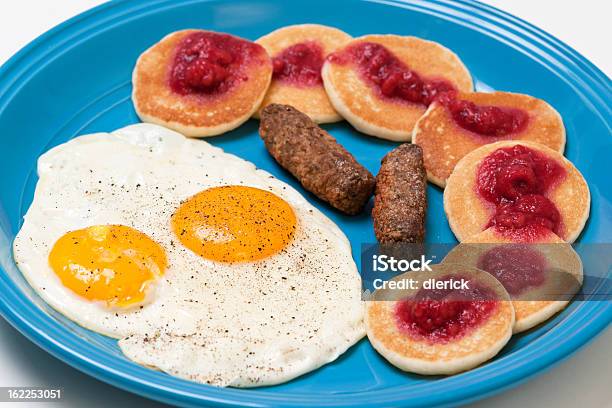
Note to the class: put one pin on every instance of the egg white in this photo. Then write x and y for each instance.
(243, 324)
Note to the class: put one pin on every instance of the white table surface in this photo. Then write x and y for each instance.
(584, 380)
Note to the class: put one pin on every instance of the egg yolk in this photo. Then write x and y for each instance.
(234, 224)
(114, 264)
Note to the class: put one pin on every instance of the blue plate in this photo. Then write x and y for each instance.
(75, 79)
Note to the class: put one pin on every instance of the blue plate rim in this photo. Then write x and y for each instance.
(487, 380)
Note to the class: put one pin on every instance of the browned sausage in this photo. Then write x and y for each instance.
(400, 201)
(314, 157)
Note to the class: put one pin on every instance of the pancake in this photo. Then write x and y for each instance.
(303, 92)
(445, 142)
(396, 333)
(220, 98)
(469, 213)
(363, 104)
(540, 278)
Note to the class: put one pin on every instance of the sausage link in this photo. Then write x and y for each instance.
(314, 157)
(400, 201)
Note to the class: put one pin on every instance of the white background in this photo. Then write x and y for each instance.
(584, 381)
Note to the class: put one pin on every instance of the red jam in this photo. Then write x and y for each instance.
(532, 212)
(516, 180)
(391, 78)
(487, 120)
(300, 64)
(441, 316)
(517, 266)
(209, 63)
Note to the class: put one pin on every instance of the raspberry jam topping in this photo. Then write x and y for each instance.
(533, 212)
(487, 120)
(516, 266)
(516, 180)
(389, 76)
(300, 64)
(439, 316)
(208, 63)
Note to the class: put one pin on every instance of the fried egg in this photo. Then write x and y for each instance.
(200, 264)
